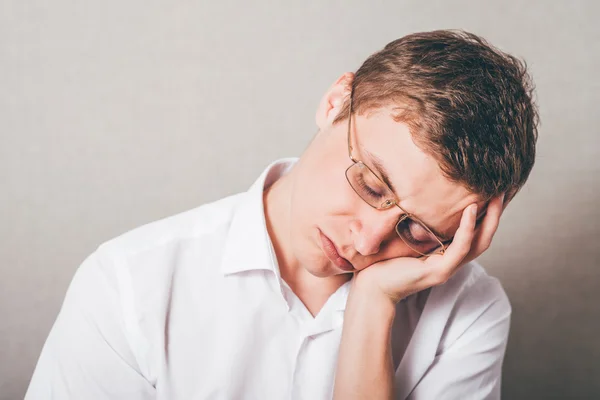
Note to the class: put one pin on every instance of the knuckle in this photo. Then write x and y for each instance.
(486, 244)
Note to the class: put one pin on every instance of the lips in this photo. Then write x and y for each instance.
(333, 255)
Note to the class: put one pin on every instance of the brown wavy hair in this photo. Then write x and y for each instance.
(467, 104)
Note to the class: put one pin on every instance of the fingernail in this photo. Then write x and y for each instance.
(474, 209)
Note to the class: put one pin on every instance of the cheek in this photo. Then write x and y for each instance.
(394, 248)
(326, 193)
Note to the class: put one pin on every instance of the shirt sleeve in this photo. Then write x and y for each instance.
(471, 367)
(87, 354)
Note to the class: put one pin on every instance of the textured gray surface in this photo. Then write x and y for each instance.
(114, 114)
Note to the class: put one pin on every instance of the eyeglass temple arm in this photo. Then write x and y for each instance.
(349, 129)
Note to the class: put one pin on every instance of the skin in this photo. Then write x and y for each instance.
(316, 197)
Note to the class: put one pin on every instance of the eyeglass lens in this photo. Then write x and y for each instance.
(376, 193)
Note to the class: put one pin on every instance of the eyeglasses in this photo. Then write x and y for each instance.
(376, 193)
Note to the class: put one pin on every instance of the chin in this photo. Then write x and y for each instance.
(324, 269)
(319, 267)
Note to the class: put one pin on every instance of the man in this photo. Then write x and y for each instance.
(345, 273)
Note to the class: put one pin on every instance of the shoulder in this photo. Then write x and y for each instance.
(458, 345)
(188, 225)
(478, 302)
(476, 286)
(131, 278)
(142, 264)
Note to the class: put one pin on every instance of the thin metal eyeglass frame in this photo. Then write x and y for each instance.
(389, 202)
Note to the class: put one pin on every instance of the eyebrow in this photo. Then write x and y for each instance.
(383, 174)
(381, 170)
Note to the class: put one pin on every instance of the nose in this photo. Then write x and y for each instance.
(372, 230)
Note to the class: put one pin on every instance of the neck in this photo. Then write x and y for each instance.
(276, 201)
(312, 290)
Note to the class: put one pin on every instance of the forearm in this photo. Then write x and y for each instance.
(365, 366)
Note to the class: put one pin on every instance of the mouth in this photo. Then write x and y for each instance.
(332, 254)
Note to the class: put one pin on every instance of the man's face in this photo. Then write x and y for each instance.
(325, 209)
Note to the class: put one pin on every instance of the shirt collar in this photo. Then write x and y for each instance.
(248, 245)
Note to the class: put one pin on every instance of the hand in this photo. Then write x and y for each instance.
(400, 277)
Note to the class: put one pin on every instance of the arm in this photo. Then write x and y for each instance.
(87, 354)
(365, 366)
(364, 362)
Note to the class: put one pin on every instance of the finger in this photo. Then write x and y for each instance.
(487, 229)
(445, 265)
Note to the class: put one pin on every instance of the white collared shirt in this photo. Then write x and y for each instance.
(193, 307)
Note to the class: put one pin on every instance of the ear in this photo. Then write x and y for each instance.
(333, 100)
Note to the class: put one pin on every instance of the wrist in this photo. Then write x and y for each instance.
(367, 298)
(370, 286)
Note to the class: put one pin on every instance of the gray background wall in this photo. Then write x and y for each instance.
(114, 114)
